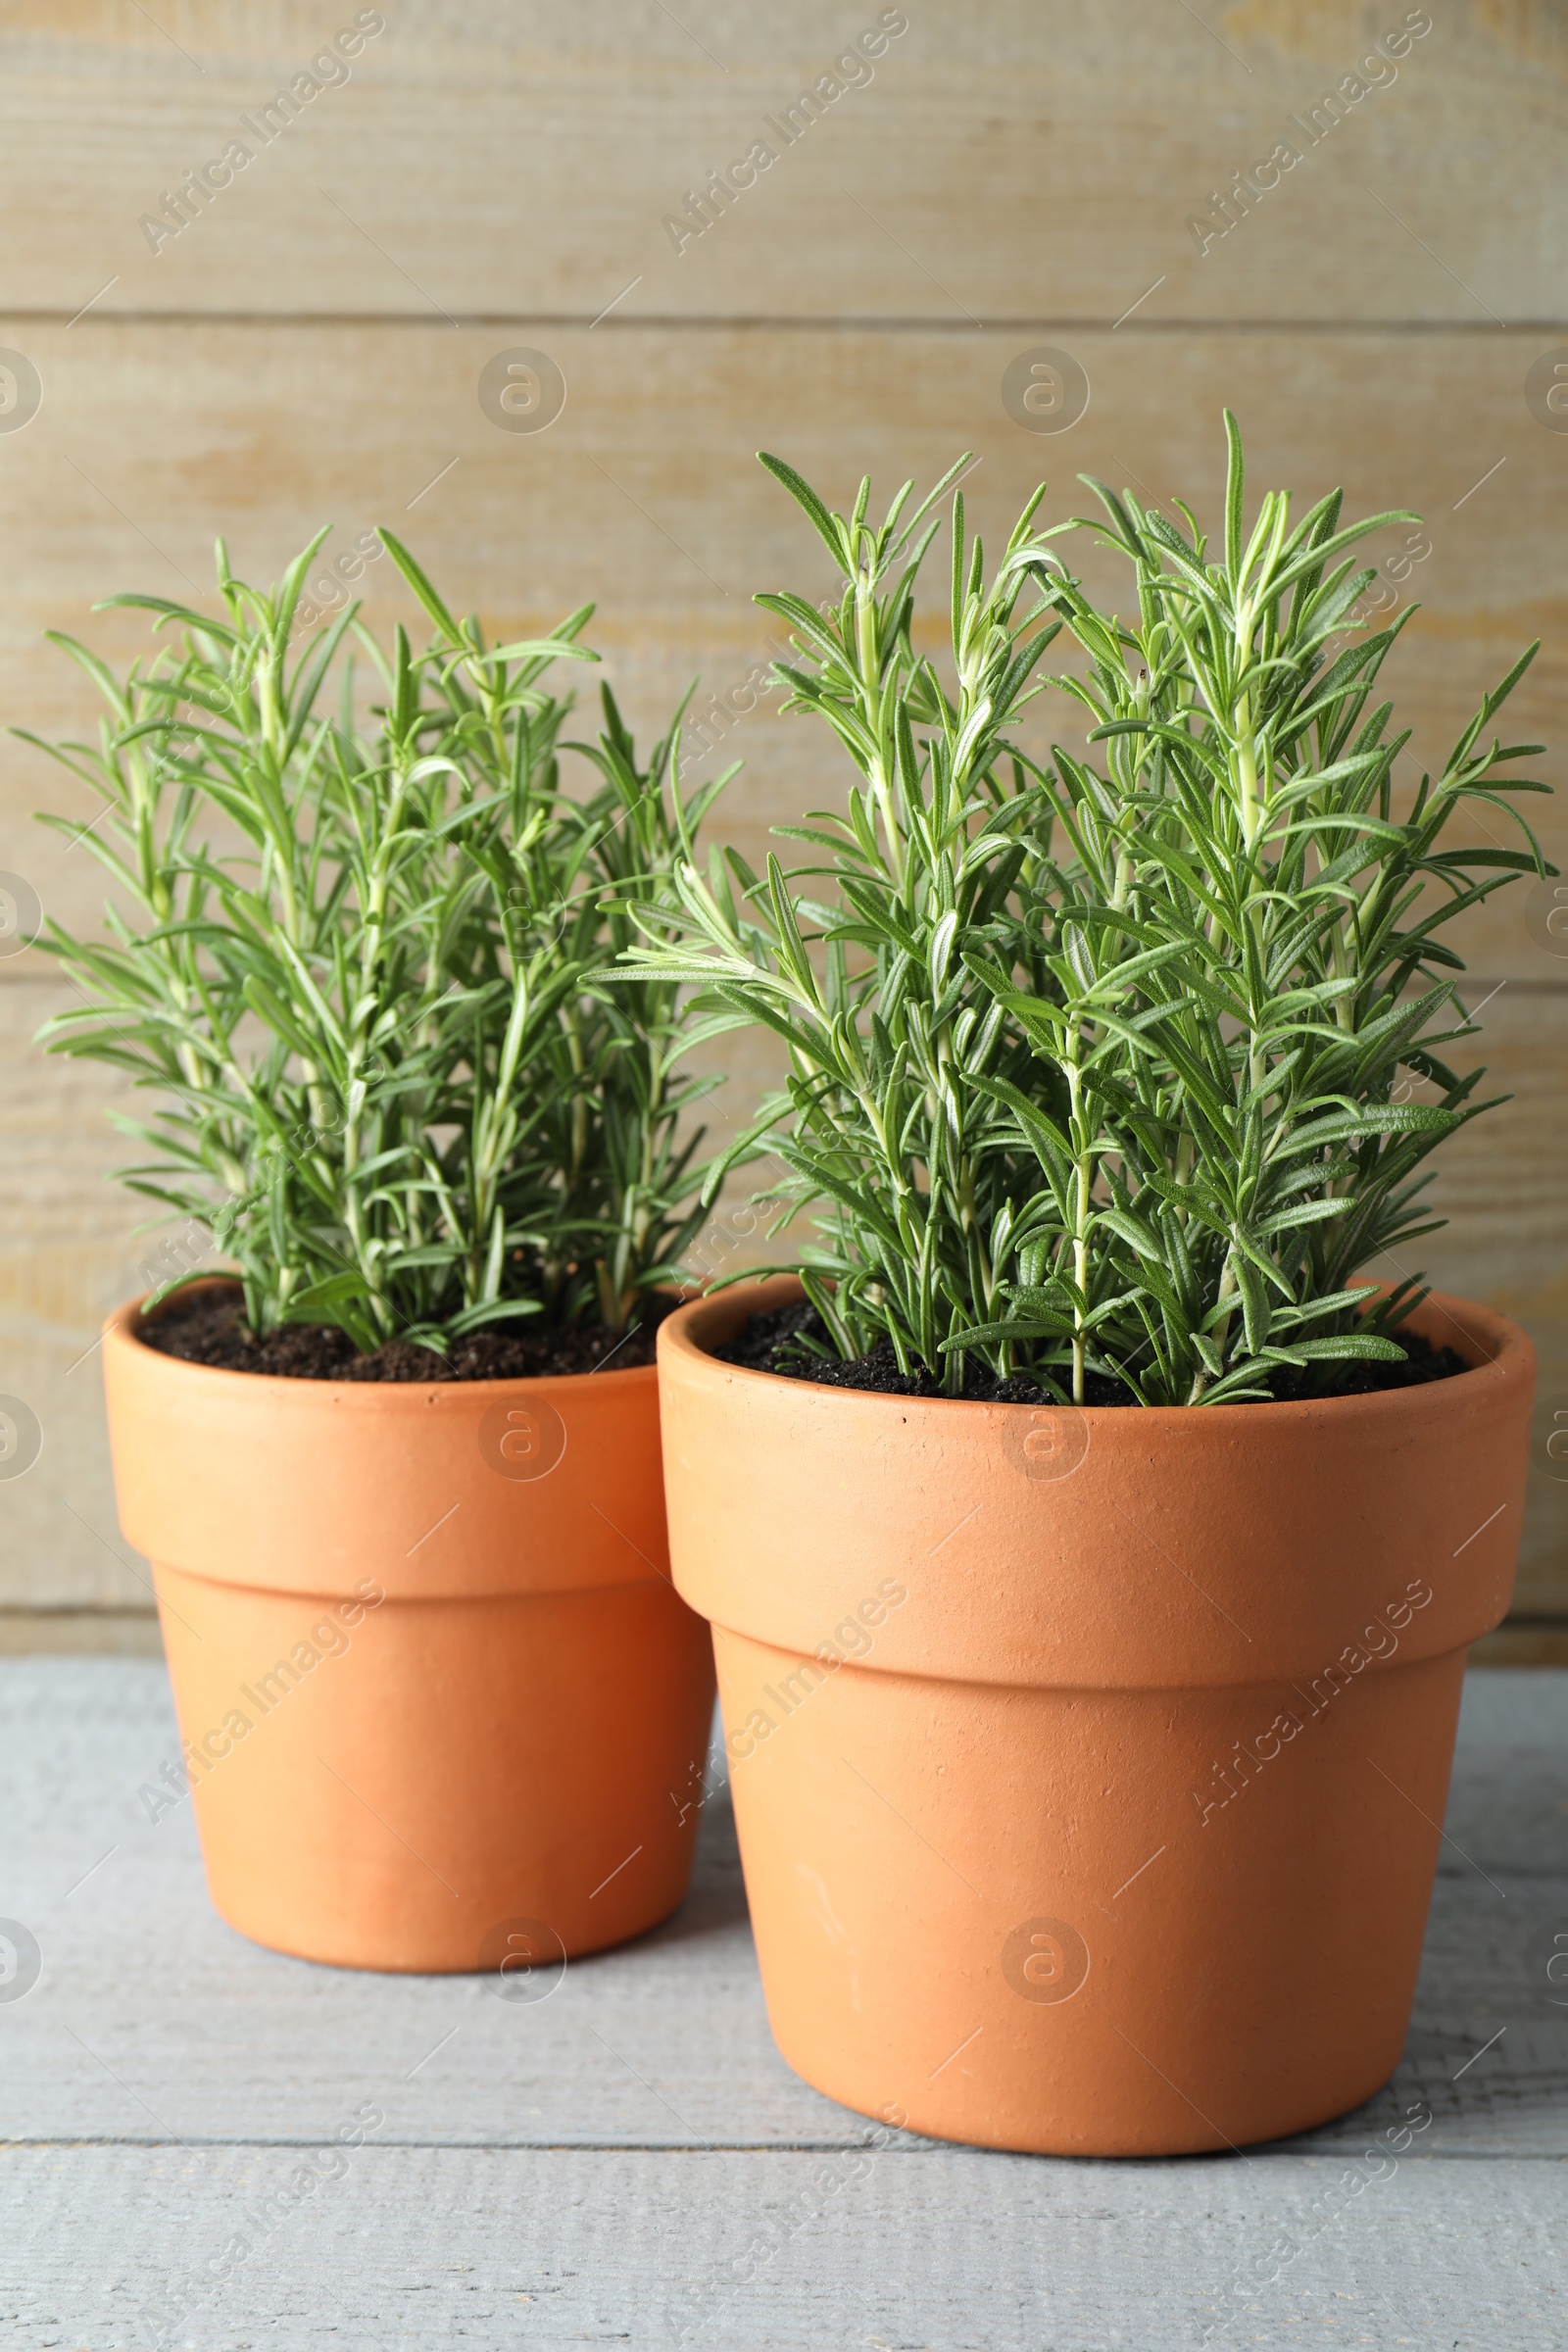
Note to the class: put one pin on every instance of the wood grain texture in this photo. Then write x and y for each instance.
(646, 497)
(309, 348)
(1524, 1642)
(72, 1631)
(1011, 161)
(630, 2160)
(497, 2248)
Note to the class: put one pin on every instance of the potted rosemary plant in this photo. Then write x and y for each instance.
(386, 1422)
(1090, 1554)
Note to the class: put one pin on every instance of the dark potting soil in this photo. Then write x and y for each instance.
(208, 1327)
(763, 1344)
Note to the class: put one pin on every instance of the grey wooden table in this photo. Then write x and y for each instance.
(210, 2146)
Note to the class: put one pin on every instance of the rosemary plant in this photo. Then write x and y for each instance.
(360, 966)
(1099, 1071)
(897, 1112)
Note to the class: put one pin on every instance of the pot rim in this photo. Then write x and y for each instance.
(1511, 1352)
(119, 1330)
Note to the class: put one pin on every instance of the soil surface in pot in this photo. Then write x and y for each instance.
(208, 1327)
(771, 1342)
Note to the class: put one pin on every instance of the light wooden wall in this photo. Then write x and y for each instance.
(1013, 174)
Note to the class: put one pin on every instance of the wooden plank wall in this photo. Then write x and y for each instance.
(448, 183)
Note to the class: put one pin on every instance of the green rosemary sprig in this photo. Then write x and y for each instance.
(359, 966)
(1100, 1071)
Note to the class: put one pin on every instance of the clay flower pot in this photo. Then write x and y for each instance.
(1089, 1765)
(440, 1707)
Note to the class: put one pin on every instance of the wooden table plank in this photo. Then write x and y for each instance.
(927, 2250)
(523, 161)
(631, 2160)
(645, 496)
(153, 2020)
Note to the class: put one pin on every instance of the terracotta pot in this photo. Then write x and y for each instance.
(1088, 1765)
(441, 1707)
